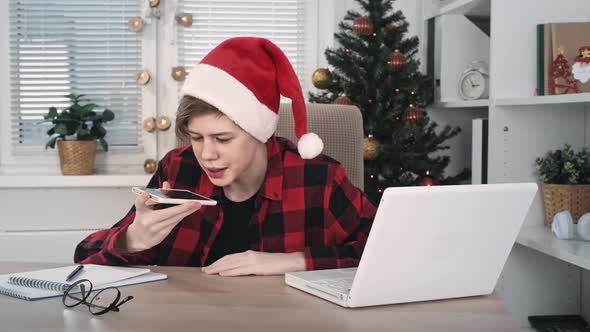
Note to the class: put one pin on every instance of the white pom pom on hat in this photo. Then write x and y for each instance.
(244, 77)
(310, 146)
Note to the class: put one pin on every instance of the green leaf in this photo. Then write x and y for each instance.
(74, 98)
(88, 107)
(108, 115)
(51, 142)
(89, 116)
(81, 132)
(51, 131)
(96, 119)
(76, 108)
(98, 131)
(52, 113)
(104, 144)
(72, 127)
(61, 128)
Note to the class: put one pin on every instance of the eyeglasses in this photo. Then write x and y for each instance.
(103, 301)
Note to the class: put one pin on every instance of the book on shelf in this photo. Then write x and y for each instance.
(563, 58)
(479, 151)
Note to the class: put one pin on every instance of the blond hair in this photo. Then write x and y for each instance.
(188, 107)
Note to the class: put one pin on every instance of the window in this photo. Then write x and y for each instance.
(58, 47)
(74, 46)
(282, 21)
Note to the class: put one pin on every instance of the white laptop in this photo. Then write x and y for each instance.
(429, 243)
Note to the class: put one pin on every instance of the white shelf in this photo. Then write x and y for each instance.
(59, 181)
(541, 239)
(462, 7)
(462, 103)
(575, 98)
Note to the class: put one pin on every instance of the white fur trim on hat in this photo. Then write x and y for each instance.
(231, 97)
(310, 146)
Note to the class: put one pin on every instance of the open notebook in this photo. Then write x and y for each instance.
(101, 276)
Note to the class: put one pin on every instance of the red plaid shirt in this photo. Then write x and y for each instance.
(304, 205)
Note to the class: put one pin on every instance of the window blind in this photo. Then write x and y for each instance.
(281, 21)
(58, 47)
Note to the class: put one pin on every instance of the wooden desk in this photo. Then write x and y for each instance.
(192, 301)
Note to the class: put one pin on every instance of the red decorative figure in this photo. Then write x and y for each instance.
(581, 66)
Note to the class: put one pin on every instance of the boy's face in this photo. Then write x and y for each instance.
(224, 150)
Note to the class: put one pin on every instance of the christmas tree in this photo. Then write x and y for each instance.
(374, 68)
(561, 77)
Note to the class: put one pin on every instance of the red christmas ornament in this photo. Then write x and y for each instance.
(343, 100)
(362, 26)
(427, 181)
(396, 60)
(391, 27)
(412, 115)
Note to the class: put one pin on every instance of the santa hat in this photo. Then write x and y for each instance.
(584, 54)
(244, 78)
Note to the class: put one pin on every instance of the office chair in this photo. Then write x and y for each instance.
(341, 129)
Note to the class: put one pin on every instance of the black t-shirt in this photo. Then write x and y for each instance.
(233, 236)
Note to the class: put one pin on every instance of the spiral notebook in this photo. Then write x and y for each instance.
(41, 284)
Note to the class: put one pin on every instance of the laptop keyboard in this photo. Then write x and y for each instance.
(341, 285)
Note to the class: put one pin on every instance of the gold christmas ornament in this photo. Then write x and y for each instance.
(149, 124)
(154, 3)
(370, 148)
(142, 77)
(149, 166)
(163, 123)
(135, 24)
(184, 19)
(321, 78)
(178, 73)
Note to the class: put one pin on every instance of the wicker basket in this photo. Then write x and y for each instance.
(77, 157)
(559, 197)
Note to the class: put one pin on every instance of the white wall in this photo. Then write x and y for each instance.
(46, 224)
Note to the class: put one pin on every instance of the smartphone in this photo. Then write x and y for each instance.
(174, 196)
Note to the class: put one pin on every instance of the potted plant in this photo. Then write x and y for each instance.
(566, 181)
(84, 126)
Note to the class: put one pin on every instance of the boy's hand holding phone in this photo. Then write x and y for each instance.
(150, 227)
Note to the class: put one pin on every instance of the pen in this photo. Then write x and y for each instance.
(76, 270)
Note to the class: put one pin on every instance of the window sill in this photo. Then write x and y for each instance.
(60, 181)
